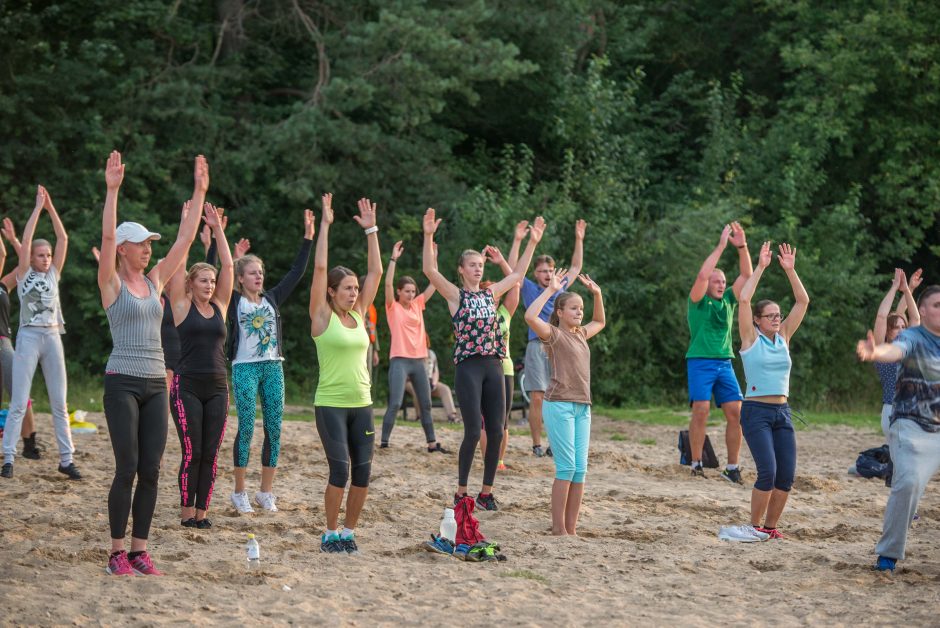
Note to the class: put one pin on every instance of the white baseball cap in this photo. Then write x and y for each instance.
(134, 232)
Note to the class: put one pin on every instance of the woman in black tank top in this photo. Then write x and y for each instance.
(199, 392)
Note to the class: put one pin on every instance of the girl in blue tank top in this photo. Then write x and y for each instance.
(765, 413)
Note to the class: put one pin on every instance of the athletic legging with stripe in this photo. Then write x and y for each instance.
(199, 406)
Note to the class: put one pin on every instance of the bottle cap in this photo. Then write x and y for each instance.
(251, 536)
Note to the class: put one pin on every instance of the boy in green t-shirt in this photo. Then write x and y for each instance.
(708, 360)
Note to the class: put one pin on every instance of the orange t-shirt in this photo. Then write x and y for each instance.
(407, 327)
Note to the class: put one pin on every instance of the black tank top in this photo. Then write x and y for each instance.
(169, 337)
(202, 343)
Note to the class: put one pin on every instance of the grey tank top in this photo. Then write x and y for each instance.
(135, 331)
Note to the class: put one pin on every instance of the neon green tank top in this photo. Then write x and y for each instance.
(504, 323)
(344, 376)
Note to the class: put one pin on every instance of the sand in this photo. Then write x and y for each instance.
(647, 553)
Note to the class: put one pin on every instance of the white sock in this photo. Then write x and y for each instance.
(696, 464)
(346, 534)
(731, 467)
(332, 532)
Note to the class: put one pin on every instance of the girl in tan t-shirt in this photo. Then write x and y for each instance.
(566, 409)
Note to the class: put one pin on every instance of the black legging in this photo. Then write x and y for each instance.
(481, 392)
(135, 409)
(199, 404)
(509, 392)
(348, 437)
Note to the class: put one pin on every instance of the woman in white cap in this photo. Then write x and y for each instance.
(135, 393)
(39, 339)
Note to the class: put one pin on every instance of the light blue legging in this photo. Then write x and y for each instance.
(569, 429)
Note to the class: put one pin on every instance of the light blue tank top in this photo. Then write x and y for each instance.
(767, 367)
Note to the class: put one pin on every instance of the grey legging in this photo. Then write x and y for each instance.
(399, 371)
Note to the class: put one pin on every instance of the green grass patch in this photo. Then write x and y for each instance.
(679, 417)
(647, 441)
(617, 437)
(524, 573)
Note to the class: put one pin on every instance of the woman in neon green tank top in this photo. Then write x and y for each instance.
(343, 399)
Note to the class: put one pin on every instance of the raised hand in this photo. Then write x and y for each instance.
(917, 278)
(201, 174)
(737, 237)
(205, 236)
(766, 256)
(397, 248)
(96, 253)
(522, 228)
(48, 204)
(896, 281)
(429, 224)
(9, 232)
(866, 348)
(40, 197)
(537, 230)
(241, 248)
(555, 282)
(366, 217)
(187, 205)
(493, 254)
(590, 283)
(211, 216)
(114, 171)
(309, 227)
(725, 234)
(580, 227)
(902, 284)
(326, 203)
(787, 257)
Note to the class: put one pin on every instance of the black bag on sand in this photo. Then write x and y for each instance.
(875, 463)
(709, 459)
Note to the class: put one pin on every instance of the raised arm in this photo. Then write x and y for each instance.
(522, 266)
(289, 281)
(367, 219)
(449, 291)
(108, 283)
(739, 241)
(226, 279)
(28, 231)
(542, 329)
(913, 313)
(189, 227)
(577, 257)
(319, 306)
(791, 323)
(397, 248)
(884, 309)
(9, 232)
(61, 236)
(870, 351)
(700, 287)
(748, 290)
(598, 320)
(511, 298)
(519, 234)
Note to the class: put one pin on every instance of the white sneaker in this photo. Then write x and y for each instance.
(741, 534)
(266, 501)
(240, 501)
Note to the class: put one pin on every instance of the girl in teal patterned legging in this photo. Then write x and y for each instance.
(255, 349)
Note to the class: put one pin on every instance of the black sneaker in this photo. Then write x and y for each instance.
(7, 471)
(438, 449)
(332, 544)
(548, 452)
(349, 545)
(732, 475)
(189, 523)
(487, 502)
(31, 450)
(204, 524)
(457, 498)
(383, 446)
(698, 472)
(537, 450)
(71, 471)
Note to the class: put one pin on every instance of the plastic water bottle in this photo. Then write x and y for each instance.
(254, 554)
(449, 525)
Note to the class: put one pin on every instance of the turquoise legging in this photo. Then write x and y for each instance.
(569, 430)
(249, 380)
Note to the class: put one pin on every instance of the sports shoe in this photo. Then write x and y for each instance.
(740, 534)
(487, 502)
(331, 544)
(549, 452)
(440, 545)
(31, 450)
(698, 472)
(266, 501)
(760, 534)
(203, 524)
(537, 450)
(143, 565)
(349, 545)
(732, 475)
(438, 449)
(118, 565)
(772, 533)
(461, 551)
(189, 523)
(885, 564)
(240, 501)
(7, 471)
(383, 446)
(457, 498)
(501, 466)
(71, 470)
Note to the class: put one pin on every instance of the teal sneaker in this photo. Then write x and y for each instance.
(331, 544)
(349, 545)
(440, 545)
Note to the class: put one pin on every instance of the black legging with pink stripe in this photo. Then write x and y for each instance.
(200, 407)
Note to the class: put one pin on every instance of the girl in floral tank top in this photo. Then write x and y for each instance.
(478, 351)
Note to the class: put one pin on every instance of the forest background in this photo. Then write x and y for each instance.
(657, 122)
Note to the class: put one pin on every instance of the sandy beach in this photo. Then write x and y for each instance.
(647, 553)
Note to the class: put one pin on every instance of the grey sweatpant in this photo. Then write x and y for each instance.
(399, 371)
(916, 457)
(42, 346)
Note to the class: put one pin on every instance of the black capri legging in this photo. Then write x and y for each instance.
(348, 437)
(135, 409)
(481, 392)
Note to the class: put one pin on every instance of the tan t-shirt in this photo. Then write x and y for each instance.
(570, 357)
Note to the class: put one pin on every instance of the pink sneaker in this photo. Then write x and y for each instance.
(119, 566)
(773, 532)
(143, 566)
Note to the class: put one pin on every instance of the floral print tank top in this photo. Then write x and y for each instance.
(476, 326)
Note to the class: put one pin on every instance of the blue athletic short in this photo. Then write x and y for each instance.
(708, 376)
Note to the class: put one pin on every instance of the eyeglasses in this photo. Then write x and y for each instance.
(773, 317)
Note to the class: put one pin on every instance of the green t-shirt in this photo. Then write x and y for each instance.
(710, 327)
(344, 376)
